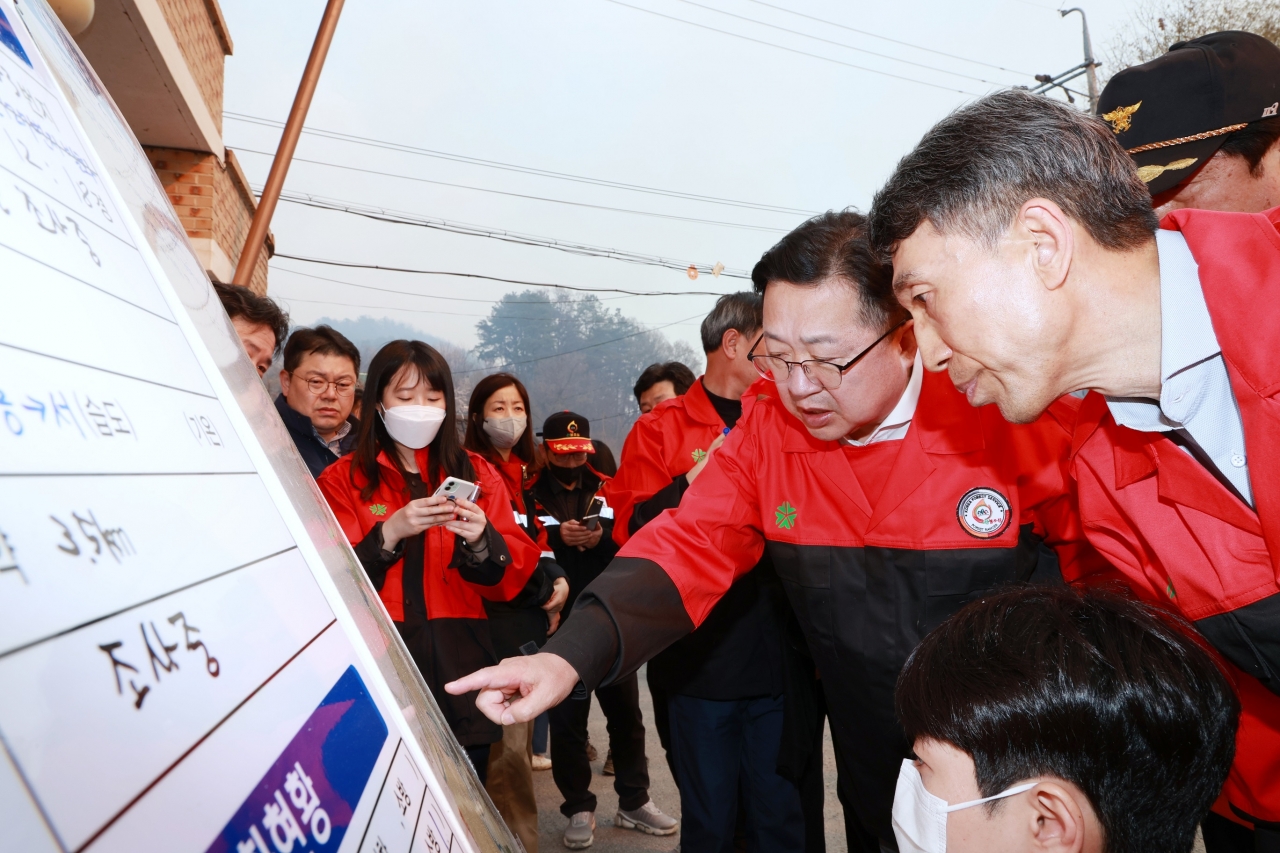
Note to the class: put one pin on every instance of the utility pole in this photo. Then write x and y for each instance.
(288, 144)
(1089, 64)
(1088, 68)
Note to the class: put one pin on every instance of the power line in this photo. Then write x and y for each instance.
(278, 268)
(792, 49)
(514, 167)
(525, 196)
(431, 311)
(399, 218)
(579, 349)
(839, 44)
(353, 265)
(886, 38)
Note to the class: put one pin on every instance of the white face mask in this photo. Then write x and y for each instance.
(920, 818)
(413, 426)
(505, 432)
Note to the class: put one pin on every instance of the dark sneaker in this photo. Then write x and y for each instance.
(581, 833)
(648, 819)
(607, 770)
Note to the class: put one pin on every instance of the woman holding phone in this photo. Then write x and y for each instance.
(434, 560)
(498, 430)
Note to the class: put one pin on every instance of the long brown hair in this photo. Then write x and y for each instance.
(477, 440)
(445, 458)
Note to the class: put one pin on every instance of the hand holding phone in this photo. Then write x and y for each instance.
(592, 519)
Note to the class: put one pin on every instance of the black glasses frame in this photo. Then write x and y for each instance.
(751, 357)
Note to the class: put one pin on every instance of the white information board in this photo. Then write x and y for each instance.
(190, 658)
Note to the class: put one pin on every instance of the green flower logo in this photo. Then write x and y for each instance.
(1173, 595)
(378, 509)
(699, 455)
(785, 516)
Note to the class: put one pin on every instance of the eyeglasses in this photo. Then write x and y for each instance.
(342, 387)
(825, 373)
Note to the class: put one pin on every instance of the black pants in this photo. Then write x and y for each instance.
(1225, 836)
(661, 722)
(479, 758)
(620, 703)
(721, 749)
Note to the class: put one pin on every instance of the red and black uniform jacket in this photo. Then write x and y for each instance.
(875, 546)
(1177, 535)
(522, 620)
(736, 653)
(433, 588)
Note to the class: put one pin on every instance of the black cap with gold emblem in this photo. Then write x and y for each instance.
(1171, 114)
(567, 432)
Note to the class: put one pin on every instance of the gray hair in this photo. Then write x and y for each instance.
(743, 312)
(976, 168)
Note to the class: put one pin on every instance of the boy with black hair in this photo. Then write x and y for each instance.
(1082, 721)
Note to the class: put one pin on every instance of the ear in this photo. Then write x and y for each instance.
(1058, 823)
(1053, 239)
(907, 341)
(284, 383)
(729, 342)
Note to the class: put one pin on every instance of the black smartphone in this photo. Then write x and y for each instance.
(592, 519)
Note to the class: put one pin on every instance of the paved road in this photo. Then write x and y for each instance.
(610, 839)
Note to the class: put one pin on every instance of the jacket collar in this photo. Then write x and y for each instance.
(297, 422)
(1239, 259)
(698, 405)
(1179, 478)
(944, 425)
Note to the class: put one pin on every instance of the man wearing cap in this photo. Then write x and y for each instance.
(1025, 246)
(563, 492)
(1202, 123)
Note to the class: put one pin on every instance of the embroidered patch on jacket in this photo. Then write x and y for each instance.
(983, 513)
(378, 509)
(785, 516)
(699, 455)
(1172, 593)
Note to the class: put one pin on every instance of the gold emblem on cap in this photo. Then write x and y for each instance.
(1119, 118)
(1150, 173)
(572, 428)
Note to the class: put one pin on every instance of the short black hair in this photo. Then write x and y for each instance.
(1253, 141)
(1119, 698)
(324, 340)
(972, 172)
(743, 312)
(833, 245)
(680, 377)
(240, 301)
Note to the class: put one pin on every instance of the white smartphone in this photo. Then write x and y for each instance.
(453, 488)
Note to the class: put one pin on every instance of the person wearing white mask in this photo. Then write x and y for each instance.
(434, 560)
(497, 429)
(1051, 720)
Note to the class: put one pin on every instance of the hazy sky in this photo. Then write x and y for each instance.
(600, 89)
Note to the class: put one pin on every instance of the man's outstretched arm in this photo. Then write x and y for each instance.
(659, 588)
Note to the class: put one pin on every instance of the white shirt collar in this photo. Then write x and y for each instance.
(897, 422)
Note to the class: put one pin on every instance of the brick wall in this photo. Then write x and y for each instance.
(201, 33)
(215, 205)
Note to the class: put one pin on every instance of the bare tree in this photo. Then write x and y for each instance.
(1157, 24)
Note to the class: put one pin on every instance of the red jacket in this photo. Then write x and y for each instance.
(514, 474)
(448, 595)
(663, 446)
(1174, 532)
(874, 545)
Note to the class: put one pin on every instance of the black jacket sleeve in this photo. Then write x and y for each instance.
(666, 498)
(485, 571)
(375, 560)
(622, 619)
